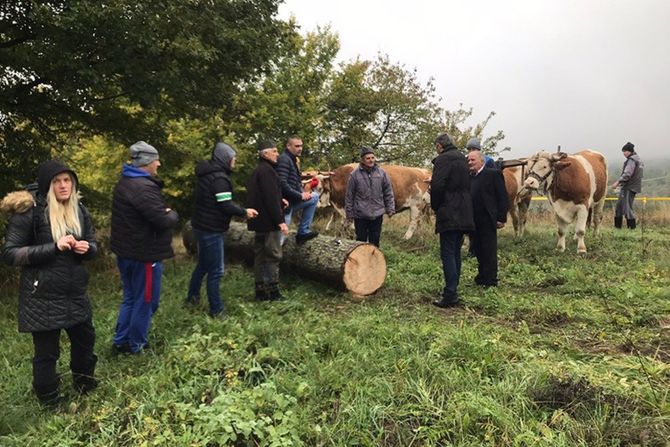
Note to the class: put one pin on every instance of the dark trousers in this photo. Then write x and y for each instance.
(369, 230)
(210, 263)
(267, 255)
(47, 352)
(624, 205)
(486, 250)
(450, 252)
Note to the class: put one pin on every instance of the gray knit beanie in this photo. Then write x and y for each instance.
(474, 144)
(141, 154)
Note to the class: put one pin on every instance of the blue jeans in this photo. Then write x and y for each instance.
(141, 295)
(210, 263)
(308, 208)
(450, 252)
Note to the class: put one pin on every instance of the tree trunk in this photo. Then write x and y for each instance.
(357, 267)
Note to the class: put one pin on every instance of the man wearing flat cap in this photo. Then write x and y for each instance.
(369, 195)
(141, 238)
(630, 182)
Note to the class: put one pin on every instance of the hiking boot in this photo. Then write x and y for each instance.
(121, 349)
(444, 303)
(275, 293)
(302, 238)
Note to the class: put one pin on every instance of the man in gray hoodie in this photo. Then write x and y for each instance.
(630, 182)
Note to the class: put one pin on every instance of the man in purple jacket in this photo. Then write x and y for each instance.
(369, 195)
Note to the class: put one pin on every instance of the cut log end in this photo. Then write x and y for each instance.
(364, 270)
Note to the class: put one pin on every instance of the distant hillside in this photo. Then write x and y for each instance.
(656, 182)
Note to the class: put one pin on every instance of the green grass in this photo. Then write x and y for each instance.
(568, 350)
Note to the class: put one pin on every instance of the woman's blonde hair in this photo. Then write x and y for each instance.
(64, 216)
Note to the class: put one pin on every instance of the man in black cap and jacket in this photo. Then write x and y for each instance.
(451, 201)
(264, 195)
(630, 182)
(214, 206)
(141, 238)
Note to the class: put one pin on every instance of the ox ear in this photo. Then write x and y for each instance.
(562, 165)
(558, 156)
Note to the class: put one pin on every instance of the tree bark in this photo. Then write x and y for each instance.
(357, 267)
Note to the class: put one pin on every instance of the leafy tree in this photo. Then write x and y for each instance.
(289, 99)
(122, 68)
(384, 105)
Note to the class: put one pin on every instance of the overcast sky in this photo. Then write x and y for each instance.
(576, 73)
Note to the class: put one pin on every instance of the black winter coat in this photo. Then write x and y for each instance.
(264, 195)
(450, 192)
(141, 228)
(289, 177)
(52, 290)
(214, 204)
(489, 198)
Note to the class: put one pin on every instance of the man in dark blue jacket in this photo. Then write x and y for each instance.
(214, 206)
(141, 238)
(489, 206)
(450, 199)
(288, 169)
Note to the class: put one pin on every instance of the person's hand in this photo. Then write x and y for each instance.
(391, 213)
(167, 210)
(306, 195)
(81, 247)
(500, 225)
(284, 203)
(283, 228)
(66, 242)
(251, 213)
(615, 185)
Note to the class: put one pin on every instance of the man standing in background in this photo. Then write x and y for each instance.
(489, 207)
(141, 238)
(369, 195)
(630, 182)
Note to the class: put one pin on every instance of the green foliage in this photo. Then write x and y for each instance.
(123, 68)
(569, 350)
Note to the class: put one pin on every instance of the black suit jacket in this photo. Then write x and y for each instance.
(489, 197)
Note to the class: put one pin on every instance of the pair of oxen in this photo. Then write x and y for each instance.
(575, 186)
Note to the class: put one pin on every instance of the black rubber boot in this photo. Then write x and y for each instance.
(618, 221)
(48, 394)
(631, 224)
(262, 292)
(275, 293)
(84, 381)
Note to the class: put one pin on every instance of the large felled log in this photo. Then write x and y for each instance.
(357, 267)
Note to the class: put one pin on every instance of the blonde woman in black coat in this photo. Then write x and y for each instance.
(50, 235)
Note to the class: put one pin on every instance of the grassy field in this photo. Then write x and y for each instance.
(569, 350)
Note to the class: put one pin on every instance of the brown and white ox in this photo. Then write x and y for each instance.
(575, 186)
(517, 206)
(410, 190)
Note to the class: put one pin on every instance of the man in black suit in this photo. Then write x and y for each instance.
(489, 203)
